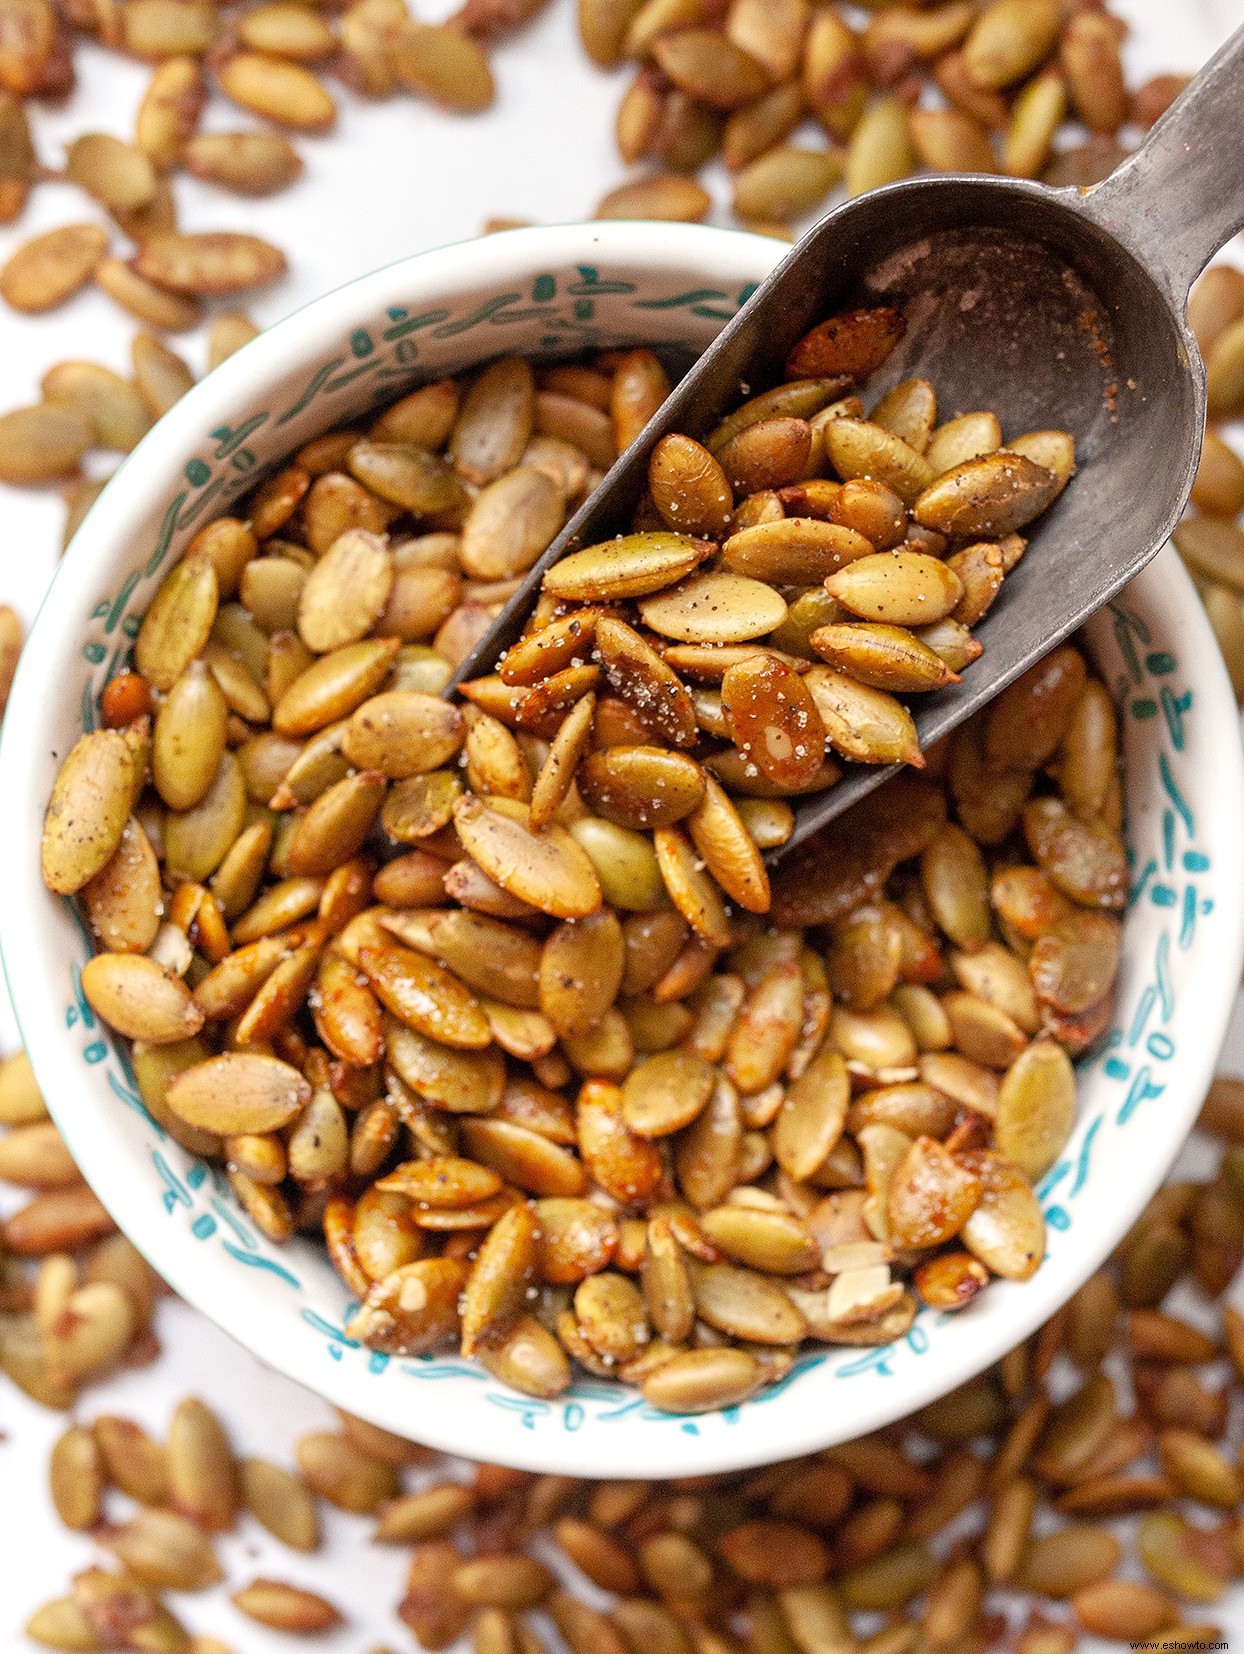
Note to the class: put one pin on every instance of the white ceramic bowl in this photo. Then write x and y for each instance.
(556, 291)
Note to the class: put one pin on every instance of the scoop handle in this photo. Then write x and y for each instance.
(1180, 197)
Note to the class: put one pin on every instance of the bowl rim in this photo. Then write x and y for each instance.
(788, 1430)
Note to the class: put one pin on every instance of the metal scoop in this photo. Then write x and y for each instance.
(1053, 307)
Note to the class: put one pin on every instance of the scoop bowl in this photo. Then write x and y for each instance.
(1057, 308)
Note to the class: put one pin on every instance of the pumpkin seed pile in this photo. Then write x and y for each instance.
(796, 98)
(498, 997)
(996, 1508)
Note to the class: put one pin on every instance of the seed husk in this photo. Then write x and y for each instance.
(286, 1607)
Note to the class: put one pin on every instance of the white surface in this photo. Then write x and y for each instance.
(394, 178)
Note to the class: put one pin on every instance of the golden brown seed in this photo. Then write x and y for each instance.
(786, 182)
(885, 657)
(793, 550)
(1009, 40)
(179, 621)
(161, 375)
(1036, 1107)
(338, 1470)
(546, 868)
(774, 720)
(995, 494)
(510, 523)
(947, 140)
(862, 723)
(119, 175)
(528, 1357)
(1199, 1469)
(137, 997)
(665, 1092)
(1124, 1610)
(624, 1164)
(17, 158)
(50, 268)
(209, 262)
(424, 1515)
(333, 686)
(1089, 53)
(689, 487)
(889, 1581)
(701, 1381)
(497, 1288)
(189, 738)
(279, 1500)
(1060, 1564)
(1006, 1231)
(1169, 1550)
(166, 1549)
(111, 404)
(580, 972)
(441, 64)
(41, 443)
(710, 67)
(76, 1478)
(1039, 110)
(669, 196)
(34, 1156)
(630, 566)
(640, 786)
(930, 1197)
(238, 1091)
(1085, 860)
(897, 588)
(1214, 548)
(201, 1473)
(495, 421)
(746, 1305)
(881, 149)
(169, 111)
